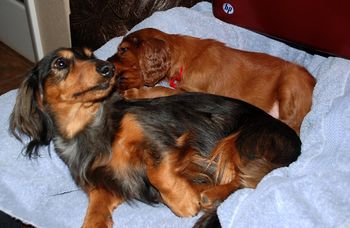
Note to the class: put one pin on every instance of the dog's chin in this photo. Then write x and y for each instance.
(102, 86)
(96, 92)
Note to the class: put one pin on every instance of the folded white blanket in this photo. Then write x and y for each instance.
(311, 192)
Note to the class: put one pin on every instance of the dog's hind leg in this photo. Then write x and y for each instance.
(227, 179)
(212, 197)
(295, 97)
(234, 171)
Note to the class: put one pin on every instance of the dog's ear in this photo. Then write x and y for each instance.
(88, 52)
(28, 117)
(155, 60)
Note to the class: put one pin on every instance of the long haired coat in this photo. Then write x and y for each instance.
(188, 151)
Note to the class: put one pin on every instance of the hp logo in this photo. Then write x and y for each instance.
(228, 8)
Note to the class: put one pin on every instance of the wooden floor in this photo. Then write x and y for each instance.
(13, 68)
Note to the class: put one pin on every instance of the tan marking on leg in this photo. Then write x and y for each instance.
(227, 178)
(152, 92)
(128, 152)
(212, 197)
(176, 191)
(101, 205)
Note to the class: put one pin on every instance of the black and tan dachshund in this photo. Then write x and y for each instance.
(188, 151)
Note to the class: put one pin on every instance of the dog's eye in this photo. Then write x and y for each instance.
(60, 63)
(122, 50)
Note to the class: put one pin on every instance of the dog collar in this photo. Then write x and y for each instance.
(174, 81)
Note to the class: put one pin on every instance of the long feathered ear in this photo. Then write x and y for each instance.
(155, 60)
(28, 117)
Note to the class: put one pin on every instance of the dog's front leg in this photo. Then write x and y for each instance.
(101, 205)
(149, 92)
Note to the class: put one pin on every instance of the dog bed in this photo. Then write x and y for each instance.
(311, 192)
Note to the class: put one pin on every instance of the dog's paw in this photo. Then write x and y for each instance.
(131, 93)
(185, 204)
(99, 222)
(209, 200)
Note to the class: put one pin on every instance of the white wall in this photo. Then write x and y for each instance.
(14, 28)
(36, 27)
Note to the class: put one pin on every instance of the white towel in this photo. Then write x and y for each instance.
(312, 192)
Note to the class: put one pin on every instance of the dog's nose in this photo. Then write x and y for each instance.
(106, 69)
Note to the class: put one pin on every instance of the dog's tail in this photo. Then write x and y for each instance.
(209, 220)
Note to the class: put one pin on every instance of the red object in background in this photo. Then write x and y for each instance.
(321, 25)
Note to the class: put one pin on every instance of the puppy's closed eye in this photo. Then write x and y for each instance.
(122, 50)
(124, 47)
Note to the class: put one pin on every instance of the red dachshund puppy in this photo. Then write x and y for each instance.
(148, 56)
(188, 151)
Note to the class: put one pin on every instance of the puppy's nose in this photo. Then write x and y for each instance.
(105, 69)
(114, 58)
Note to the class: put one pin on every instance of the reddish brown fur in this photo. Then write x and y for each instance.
(148, 56)
(101, 205)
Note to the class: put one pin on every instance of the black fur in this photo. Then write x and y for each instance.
(209, 220)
